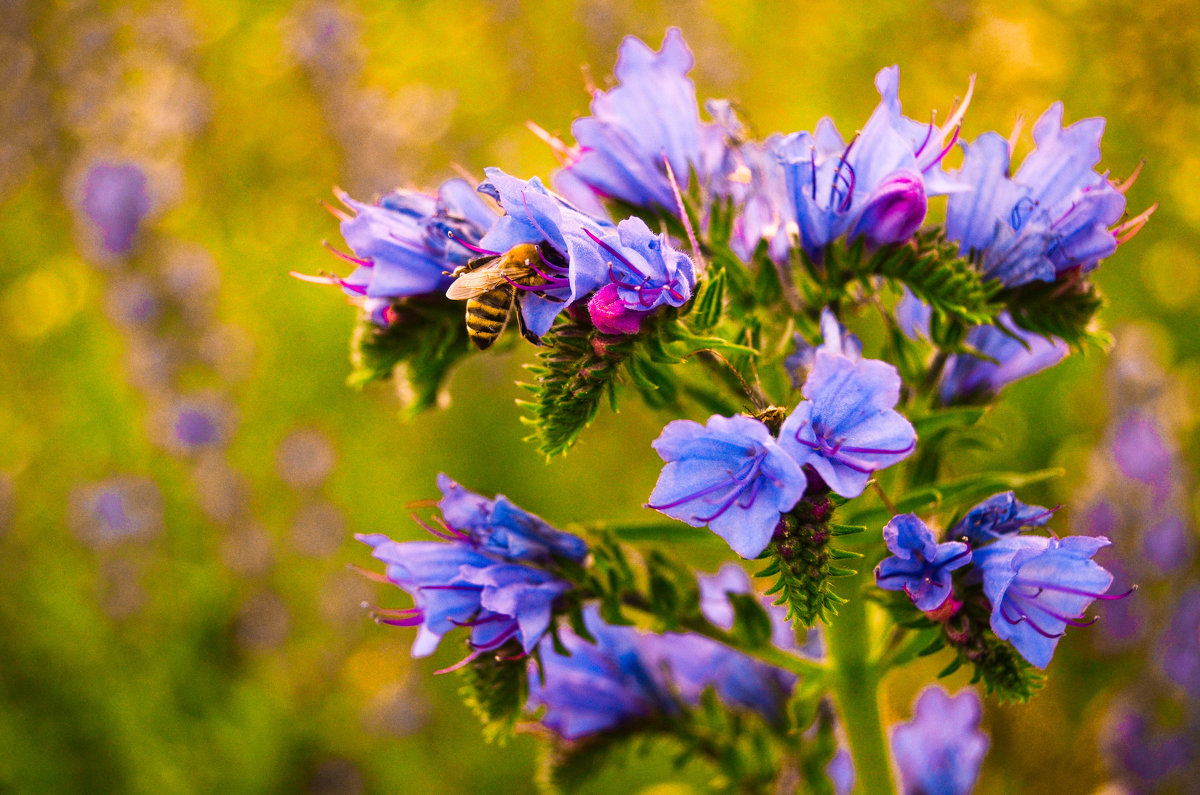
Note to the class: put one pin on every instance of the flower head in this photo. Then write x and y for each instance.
(847, 427)
(998, 516)
(408, 242)
(1055, 214)
(919, 565)
(1038, 586)
(875, 186)
(479, 578)
(1017, 353)
(453, 585)
(651, 116)
(940, 751)
(730, 475)
(644, 272)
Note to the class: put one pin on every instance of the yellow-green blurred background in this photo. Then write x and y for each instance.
(213, 641)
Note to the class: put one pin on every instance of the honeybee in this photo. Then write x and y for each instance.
(490, 285)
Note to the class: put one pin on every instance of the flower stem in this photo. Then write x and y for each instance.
(854, 681)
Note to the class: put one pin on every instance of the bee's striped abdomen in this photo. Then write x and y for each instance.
(487, 315)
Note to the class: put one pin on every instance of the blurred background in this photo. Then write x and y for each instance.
(183, 467)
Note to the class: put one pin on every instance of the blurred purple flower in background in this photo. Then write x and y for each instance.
(115, 201)
(940, 751)
(121, 508)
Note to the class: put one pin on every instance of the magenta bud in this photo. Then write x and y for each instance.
(611, 315)
(894, 210)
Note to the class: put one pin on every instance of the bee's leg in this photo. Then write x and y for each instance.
(525, 332)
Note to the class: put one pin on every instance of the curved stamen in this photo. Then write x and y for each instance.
(612, 251)
(879, 451)
(928, 137)
(461, 663)
(483, 252)
(362, 263)
(474, 622)
(1074, 591)
(450, 587)
(945, 151)
(1075, 622)
(497, 641)
(450, 535)
(747, 476)
(1027, 620)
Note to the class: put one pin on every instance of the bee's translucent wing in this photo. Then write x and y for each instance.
(472, 283)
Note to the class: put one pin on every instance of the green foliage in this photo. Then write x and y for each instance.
(1065, 308)
(802, 562)
(952, 493)
(427, 337)
(565, 768)
(495, 686)
(929, 266)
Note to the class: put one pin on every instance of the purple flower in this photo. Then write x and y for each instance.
(940, 751)
(573, 263)
(874, 186)
(115, 201)
(847, 427)
(998, 516)
(1179, 653)
(477, 580)
(717, 609)
(697, 663)
(1142, 451)
(913, 316)
(754, 179)
(1017, 354)
(1056, 213)
(1038, 586)
(919, 565)
(644, 273)
(453, 585)
(834, 338)
(599, 686)
(729, 475)
(841, 771)
(408, 242)
(498, 527)
(650, 116)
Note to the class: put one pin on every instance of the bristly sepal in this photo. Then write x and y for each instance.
(803, 562)
(576, 368)
(495, 686)
(422, 341)
(1065, 308)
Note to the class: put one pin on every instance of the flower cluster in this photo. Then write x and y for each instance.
(677, 257)
(737, 478)
(1035, 586)
(487, 575)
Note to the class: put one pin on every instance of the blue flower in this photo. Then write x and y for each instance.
(847, 427)
(498, 527)
(644, 273)
(834, 338)
(574, 264)
(940, 751)
(453, 585)
(718, 611)
(1016, 354)
(697, 663)
(597, 687)
(919, 565)
(115, 201)
(876, 186)
(729, 475)
(1056, 213)
(409, 242)
(478, 579)
(1038, 586)
(998, 516)
(651, 115)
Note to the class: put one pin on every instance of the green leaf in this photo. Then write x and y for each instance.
(672, 532)
(494, 686)
(941, 420)
(708, 305)
(422, 344)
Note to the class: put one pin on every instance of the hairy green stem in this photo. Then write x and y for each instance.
(854, 681)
